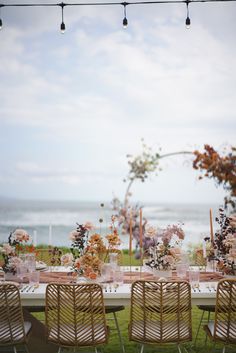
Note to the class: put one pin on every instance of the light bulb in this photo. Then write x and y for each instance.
(187, 23)
(63, 27)
(125, 22)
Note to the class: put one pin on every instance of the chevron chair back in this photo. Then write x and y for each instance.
(160, 312)
(75, 315)
(13, 330)
(224, 327)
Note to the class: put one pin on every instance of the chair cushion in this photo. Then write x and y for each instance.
(79, 335)
(17, 331)
(208, 308)
(155, 332)
(113, 309)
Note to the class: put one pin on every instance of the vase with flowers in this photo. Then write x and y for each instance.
(85, 256)
(11, 251)
(163, 248)
(89, 252)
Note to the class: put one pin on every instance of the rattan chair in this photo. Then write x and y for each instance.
(223, 328)
(160, 313)
(75, 315)
(14, 331)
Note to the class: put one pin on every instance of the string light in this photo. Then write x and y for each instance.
(124, 4)
(187, 22)
(63, 26)
(125, 21)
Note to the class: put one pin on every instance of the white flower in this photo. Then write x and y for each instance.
(67, 259)
(7, 249)
(89, 226)
(150, 231)
(73, 235)
(21, 235)
(14, 261)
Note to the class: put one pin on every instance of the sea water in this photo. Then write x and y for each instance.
(60, 217)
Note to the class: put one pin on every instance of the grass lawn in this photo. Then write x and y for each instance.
(132, 347)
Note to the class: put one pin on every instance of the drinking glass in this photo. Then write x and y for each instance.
(21, 271)
(106, 272)
(181, 270)
(194, 275)
(34, 279)
(30, 262)
(113, 259)
(118, 276)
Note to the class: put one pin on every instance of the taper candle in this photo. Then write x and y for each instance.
(130, 232)
(211, 226)
(141, 228)
(204, 249)
(50, 235)
(35, 237)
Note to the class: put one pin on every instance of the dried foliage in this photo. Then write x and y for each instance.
(222, 168)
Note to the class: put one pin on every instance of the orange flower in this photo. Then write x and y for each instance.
(92, 275)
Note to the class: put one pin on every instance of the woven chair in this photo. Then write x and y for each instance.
(75, 315)
(223, 328)
(14, 331)
(160, 313)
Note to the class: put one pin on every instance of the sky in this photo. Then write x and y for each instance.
(73, 105)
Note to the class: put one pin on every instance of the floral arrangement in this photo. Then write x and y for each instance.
(10, 251)
(88, 253)
(163, 247)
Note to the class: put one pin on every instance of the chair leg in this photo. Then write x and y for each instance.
(26, 349)
(14, 349)
(198, 329)
(208, 319)
(223, 350)
(119, 333)
(179, 349)
(142, 348)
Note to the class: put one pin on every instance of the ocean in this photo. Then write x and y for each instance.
(58, 218)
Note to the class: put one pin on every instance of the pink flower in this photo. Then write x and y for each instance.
(21, 235)
(7, 249)
(150, 231)
(67, 259)
(89, 226)
(168, 259)
(74, 235)
(14, 262)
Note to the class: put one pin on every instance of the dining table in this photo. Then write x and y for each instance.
(114, 293)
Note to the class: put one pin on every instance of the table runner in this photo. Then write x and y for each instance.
(129, 277)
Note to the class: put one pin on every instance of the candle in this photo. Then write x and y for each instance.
(50, 235)
(130, 233)
(211, 226)
(204, 249)
(35, 237)
(141, 228)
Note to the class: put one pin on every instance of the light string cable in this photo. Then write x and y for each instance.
(124, 4)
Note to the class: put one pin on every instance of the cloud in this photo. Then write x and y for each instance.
(77, 104)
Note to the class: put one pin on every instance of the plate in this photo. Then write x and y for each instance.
(40, 266)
